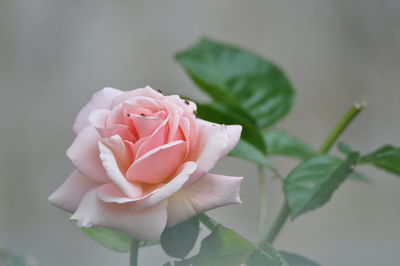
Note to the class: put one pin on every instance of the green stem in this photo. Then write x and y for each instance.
(278, 223)
(262, 203)
(207, 221)
(340, 126)
(134, 252)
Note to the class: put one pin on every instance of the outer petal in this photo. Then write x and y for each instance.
(146, 91)
(98, 118)
(108, 159)
(212, 144)
(158, 164)
(100, 100)
(111, 193)
(210, 192)
(85, 155)
(234, 132)
(168, 189)
(70, 193)
(146, 224)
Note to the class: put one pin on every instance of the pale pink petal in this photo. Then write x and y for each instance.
(121, 150)
(156, 139)
(211, 191)
(121, 130)
(188, 106)
(131, 189)
(168, 189)
(98, 118)
(70, 193)
(100, 100)
(212, 142)
(234, 132)
(147, 92)
(111, 193)
(158, 164)
(145, 125)
(174, 113)
(146, 224)
(85, 155)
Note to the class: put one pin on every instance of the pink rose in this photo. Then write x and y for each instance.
(142, 161)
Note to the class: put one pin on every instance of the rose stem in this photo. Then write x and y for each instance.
(348, 117)
(207, 221)
(340, 126)
(134, 252)
(262, 202)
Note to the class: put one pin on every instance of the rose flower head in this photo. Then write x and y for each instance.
(142, 163)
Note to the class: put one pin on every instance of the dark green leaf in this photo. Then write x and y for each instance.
(109, 238)
(297, 260)
(280, 143)
(225, 114)
(386, 158)
(266, 255)
(246, 151)
(178, 241)
(224, 247)
(312, 183)
(240, 78)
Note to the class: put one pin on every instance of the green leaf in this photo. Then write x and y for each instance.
(246, 151)
(386, 158)
(281, 143)
(360, 177)
(114, 240)
(297, 260)
(145, 244)
(266, 255)
(178, 241)
(232, 75)
(312, 183)
(344, 148)
(8, 258)
(109, 238)
(225, 114)
(224, 247)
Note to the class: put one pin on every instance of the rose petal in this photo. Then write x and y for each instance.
(146, 224)
(98, 118)
(70, 193)
(234, 132)
(85, 155)
(212, 142)
(111, 193)
(121, 130)
(145, 125)
(158, 164)
(131, 189)
(121, 151)
(210, 192)
(168, 189)
(100, 100)
(146, 91)
(156, 139)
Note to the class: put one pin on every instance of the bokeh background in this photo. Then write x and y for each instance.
(54, 54)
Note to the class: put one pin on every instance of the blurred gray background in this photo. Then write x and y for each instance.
(54, 54)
